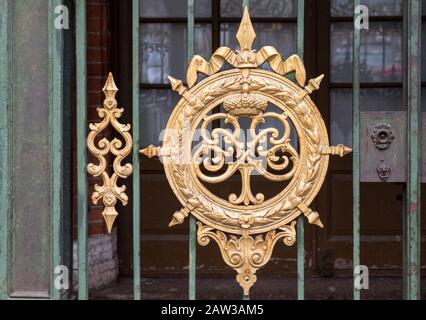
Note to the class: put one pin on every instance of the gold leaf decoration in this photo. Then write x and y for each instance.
(109, 191)
(246, 57)
(247, 225)
(246, 254)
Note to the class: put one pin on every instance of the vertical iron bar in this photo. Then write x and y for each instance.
(356, 155)
(67, 162)
(5, 110)
(136, 176)
(192, 221)
(405, 98)
(81, 147)
(412, 233)
(246, 4)
(300, 219)
(55, 124)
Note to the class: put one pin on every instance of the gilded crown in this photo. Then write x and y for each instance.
(245, 105)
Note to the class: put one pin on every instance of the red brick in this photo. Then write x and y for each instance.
(94, 101)
(98, 54)
(100, 24)
(96, 40)
(95, 83)
(96, 10)
(97, 228)
(98, 66)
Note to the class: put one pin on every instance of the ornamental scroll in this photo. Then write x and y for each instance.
(240, 123)
(109, 191)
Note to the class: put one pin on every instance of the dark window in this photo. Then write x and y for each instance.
(163, 45)
(381, 63)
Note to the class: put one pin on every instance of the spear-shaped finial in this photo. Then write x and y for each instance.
(246, 34)
(110, 89)
(109, 214)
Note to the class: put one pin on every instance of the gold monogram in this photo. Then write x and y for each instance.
(286, 140)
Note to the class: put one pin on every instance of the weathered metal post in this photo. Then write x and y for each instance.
(412, 214)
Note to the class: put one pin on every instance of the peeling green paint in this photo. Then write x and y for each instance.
(300, 220)
(135, 156)
(192, 221)
(356, 153)
(412, 86)
(56, 140)
(4, 146)
(81, 147)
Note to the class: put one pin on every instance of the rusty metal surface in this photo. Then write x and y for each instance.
(375, 159)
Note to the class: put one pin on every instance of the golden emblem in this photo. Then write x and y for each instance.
(247, 225)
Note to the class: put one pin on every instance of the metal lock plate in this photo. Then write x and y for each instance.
(383, 146)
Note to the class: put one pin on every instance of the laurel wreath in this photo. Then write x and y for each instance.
(308, 174)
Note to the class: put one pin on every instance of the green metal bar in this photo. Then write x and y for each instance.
(246, 4)
(300, 219)
(67, 165)
(356, 155)
(55, 123)
(192, 221)
(5, 133)
(192, 257)
(412, 232)
(81, 45)
(136, 176)
(405, 93)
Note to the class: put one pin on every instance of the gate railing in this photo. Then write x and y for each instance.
(411, 257)
(412, 86)
(81, 75)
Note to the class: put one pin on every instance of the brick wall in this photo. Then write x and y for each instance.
(103, 262)
(98, 66)
(102, 247)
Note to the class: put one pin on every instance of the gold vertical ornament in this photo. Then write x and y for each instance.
(246, 225)
(109, 191)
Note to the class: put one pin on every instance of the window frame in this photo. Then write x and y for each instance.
(215, 22)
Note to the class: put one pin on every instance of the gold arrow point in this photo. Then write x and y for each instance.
(318, 223)
(172, 80)
(150, 151)
(316, 82)
(110, 89)
(246, 34)
(109, 215)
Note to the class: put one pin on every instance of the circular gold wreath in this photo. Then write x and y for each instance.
(280, 209)
(246, 91)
